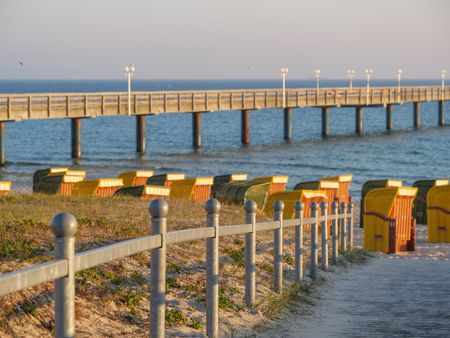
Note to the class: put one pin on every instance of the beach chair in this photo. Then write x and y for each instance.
(40, 174)
(165, 180)
(388, 223)
(144, 191)
(138, 177)
(221, 179)
(420, 203)
(371, 185)
(438, 214)
(5, 188)
(60, 183)
(290, 197)
(237, 193)
(277, 183)
(331, 189)
(100, 187)
(343, 192)
(195, 189)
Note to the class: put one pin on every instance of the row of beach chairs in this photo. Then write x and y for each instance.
(230, 189)
(389, 211)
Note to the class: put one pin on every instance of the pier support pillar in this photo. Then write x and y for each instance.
(287, 123)
(389, 124)
(359, 121)
(325, 114)
(245, 126)
(441, 113)
(197, 130)
(416, 115)
(140, 133)
(2, 143)
(76, 137)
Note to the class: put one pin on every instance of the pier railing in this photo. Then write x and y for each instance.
(17, 107)
(62, 269)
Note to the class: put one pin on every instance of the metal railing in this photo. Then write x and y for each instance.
(62, 269)
(16, 107)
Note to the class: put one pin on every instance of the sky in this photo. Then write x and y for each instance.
(228, 39)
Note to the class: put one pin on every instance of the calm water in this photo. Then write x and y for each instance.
(108, 143)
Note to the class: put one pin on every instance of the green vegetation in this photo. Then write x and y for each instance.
(131, 297)
(237, 256)
(30, 307)
(175, 317)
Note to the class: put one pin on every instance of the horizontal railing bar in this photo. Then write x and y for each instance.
(263, 226)
(34, 275)
(237, 229)
(105, 254)
(291, 222)
(309, 220)
(187, 235)
(216, 91)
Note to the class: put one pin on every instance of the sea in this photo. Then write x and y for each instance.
(109, 148)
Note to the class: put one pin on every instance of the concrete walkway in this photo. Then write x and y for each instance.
(405, 295)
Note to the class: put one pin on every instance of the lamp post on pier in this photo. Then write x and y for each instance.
(283, 73)
(317, 74)
(350, 74)
(399, 77)
(443, 74)
(129, 70)
(368, 73)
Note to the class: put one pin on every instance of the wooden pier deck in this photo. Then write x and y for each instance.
(76, 106)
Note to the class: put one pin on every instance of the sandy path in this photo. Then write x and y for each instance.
(405, 295)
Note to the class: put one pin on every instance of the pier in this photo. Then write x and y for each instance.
(78, 106)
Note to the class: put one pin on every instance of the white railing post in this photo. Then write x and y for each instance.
(212, 208)
(250, 252)
(64, 227)
(343, 227)
(334, 249)
(350, 226)
(324, 229)
(298, 239)
(158, 210)
(278, 208)
(314, 230)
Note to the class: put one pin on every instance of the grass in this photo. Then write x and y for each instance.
(274, 303)
(355, 256)
(175, 317)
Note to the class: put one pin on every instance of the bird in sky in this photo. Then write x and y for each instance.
(20, 62)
